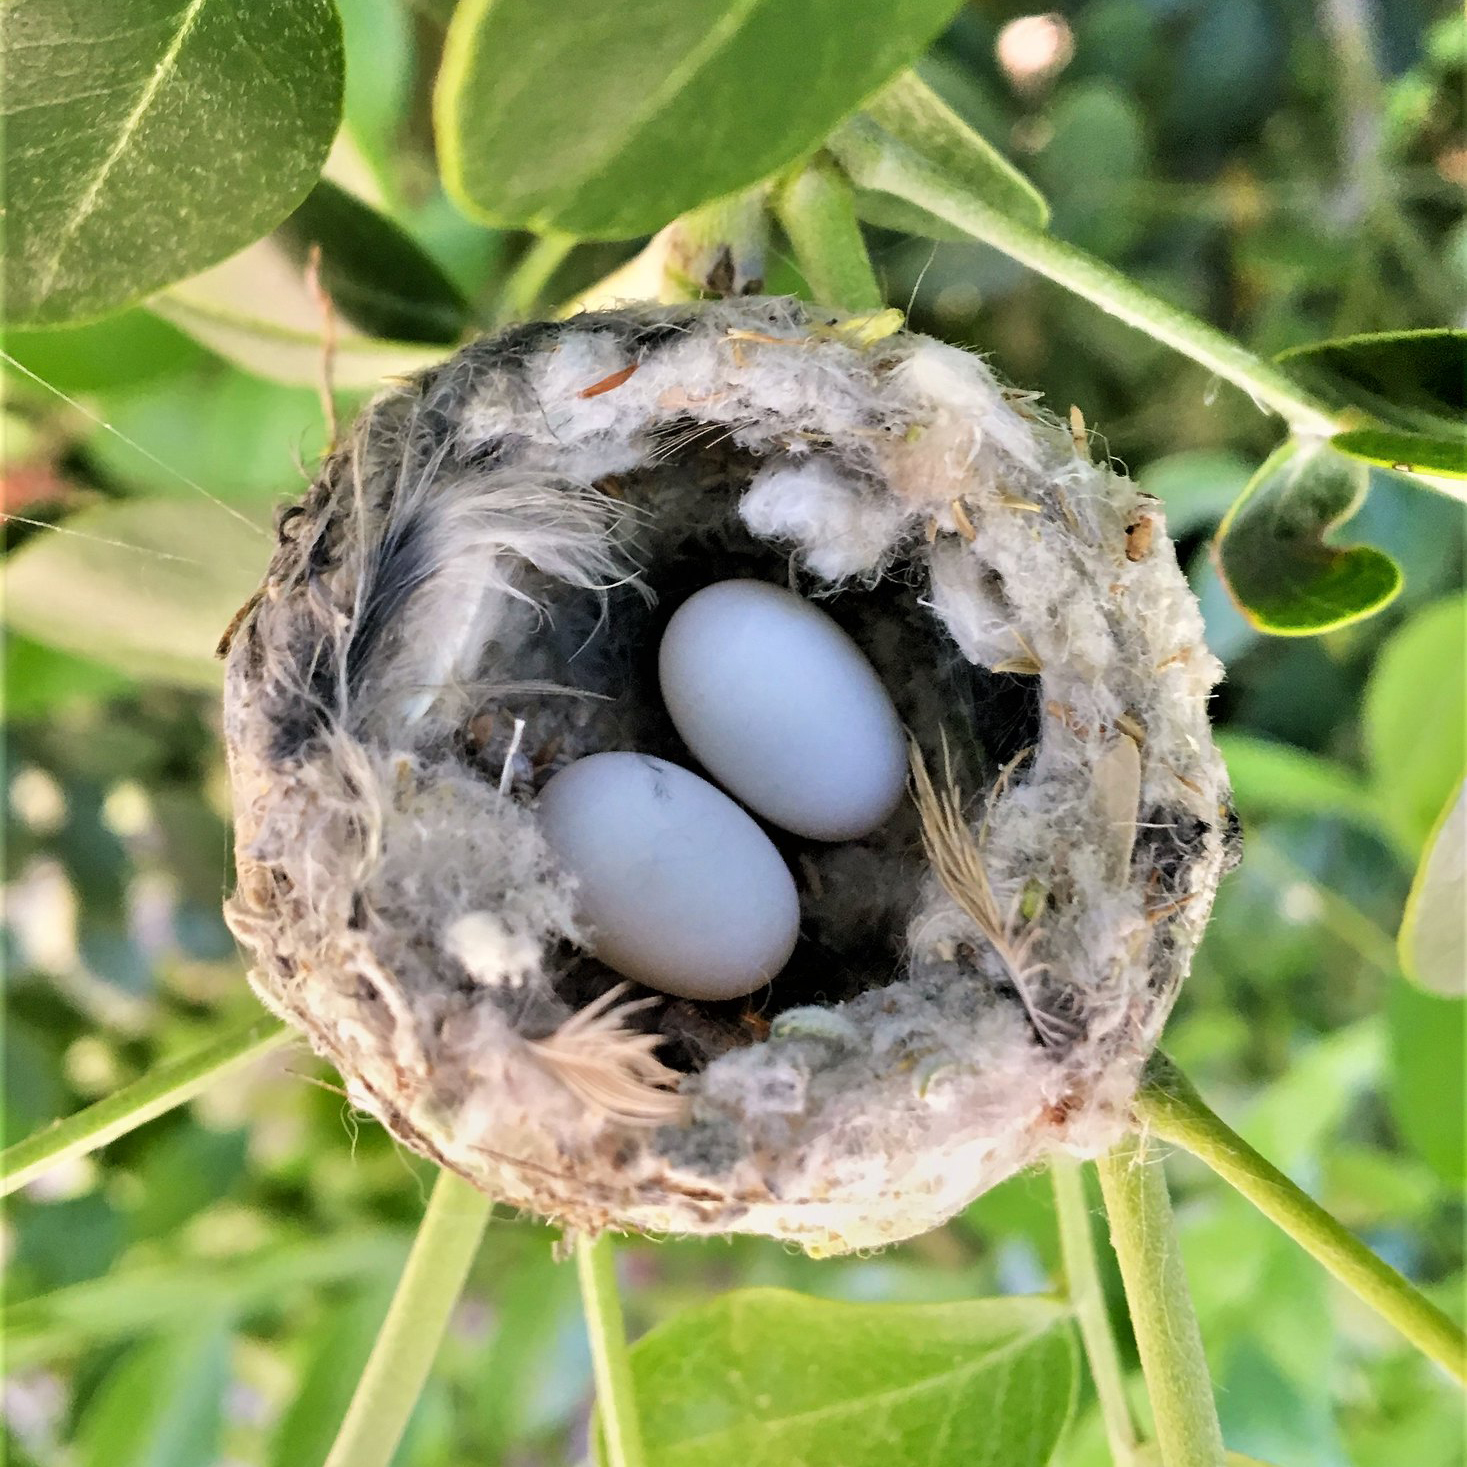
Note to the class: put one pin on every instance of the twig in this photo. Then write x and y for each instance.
(615, 1398)
(1175, 1112)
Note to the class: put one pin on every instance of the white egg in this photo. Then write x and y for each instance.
(783, 709)
(679, 888)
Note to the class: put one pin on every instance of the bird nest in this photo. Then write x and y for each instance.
(471, 596)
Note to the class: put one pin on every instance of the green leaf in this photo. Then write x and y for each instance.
(1428, 1092)
(147, 586)
(375, 273)
(1415, 715)
(38, 680)
(168, 1295)
(1433, 937)
(1092, 166)
(396, 310)
(161, 1405)
(1406, 452)
(912, 113)
(1270, 778)
(1197, 486)
(132, 346)
(1415, 380)
(335, 1358)
(767, 1378)
(608, 121)
(1272, 548)
(139, 153)
(182, 1173)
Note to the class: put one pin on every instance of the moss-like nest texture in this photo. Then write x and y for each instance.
(471, 596)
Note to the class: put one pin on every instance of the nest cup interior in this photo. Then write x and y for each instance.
(681, 532)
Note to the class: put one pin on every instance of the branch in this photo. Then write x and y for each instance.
(615, 1399)
(874, 160)
(161, 1089)
(1082, 1283)
(1145, 1239)
(819, 216)
(1173, 1110)
(402, 1356)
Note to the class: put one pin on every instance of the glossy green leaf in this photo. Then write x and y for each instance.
(1433, 936)
(161, 1405)
(1391, 448)
(140, 152)
(1428, 1090)
(608, 121)
(1415, 715)
(146, 586)
(1415, 380)
(1274, 553)
(767, 1378)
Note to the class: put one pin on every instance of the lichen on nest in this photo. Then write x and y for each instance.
(471, 596)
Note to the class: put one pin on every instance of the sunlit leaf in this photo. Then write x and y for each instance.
(146, 586)
(1415, 715)
(608, 121)
(1274, 552)
(138, 153)
(1433, 937)
(1428, 1091)
(1392, 448)
(766, 1378)
(1415, 380)
(161, 1405)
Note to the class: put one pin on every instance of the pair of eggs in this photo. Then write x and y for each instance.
(681, 889)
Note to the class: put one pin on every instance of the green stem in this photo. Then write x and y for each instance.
(1145, 1239)
(874, 160)
(615, 1398)
(524, 287)
(1175, 1112)
(447, 1240)
(161, 1089)
(1082, 1279)
(817, 210)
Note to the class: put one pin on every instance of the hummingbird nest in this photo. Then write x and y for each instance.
(471, 596)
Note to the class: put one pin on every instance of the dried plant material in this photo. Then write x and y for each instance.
(471, 597)
(954, 852)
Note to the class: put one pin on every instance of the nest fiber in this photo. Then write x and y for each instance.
(471, 596)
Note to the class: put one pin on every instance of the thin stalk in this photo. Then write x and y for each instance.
(524, 287)
(161, 1089)
(817, 210)
(876, 161)
(621, 1431)
(1145, 1239)
(447, 1240)
(1173, 1111)
(1082, 1281)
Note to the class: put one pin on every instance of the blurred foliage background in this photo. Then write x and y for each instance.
(207, 1288)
